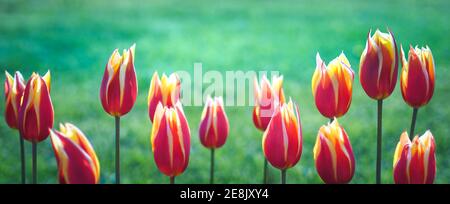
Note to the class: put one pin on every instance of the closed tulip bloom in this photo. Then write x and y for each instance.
(379, 65)
(36, 111)
(76, 159)
(333, 154)
(415, 162)
(214, 125)
(165, 91)
(282, 140)
(417, 76)
(332, 86)
(14, 88)
(267, 97)
(170, 139)
(119, 85)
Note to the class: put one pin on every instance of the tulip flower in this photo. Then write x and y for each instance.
(165, 91)
(118, 91)
(214, 127)
(282, 140)
(36, 113)
(119, 85)
(170, 140)
(267, 97)
(417, 79)
(379, 65)
(378, 75)
(14, 88)
(77, 161)
(415, 162)
(332, 86)
(333, 154)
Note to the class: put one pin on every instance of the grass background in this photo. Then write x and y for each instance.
(74, 39)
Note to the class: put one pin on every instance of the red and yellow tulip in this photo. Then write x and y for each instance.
(36, 110)
(282, 140)
(119, 85)
(170, 139)
(267, 97)
(214, 125)
(332, 86)
(165, 91)
(415, 162)
(76, 158)
(379, 65)
(417, 76)
(333, 154)
(14, 88)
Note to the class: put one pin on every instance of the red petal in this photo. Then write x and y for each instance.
(130, 88)
(368, 72)
(324, 162)
(273, 145)
(416, 88)
(325, 97)
(400, 175)
(79, 165)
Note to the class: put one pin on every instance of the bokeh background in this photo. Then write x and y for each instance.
(74, 39)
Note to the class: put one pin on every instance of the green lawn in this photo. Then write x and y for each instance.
(74, 39)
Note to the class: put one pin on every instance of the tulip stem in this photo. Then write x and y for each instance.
(283, 176)
(379, 136)
(22, 158)
(211, 181)
(265, 171)
(413, 122)
(172, 180)
(331, 120)
(34, 152)
(117, 149)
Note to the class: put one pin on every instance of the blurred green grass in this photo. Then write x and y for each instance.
(75, 38)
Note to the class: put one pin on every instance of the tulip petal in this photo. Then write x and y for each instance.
(75, 165)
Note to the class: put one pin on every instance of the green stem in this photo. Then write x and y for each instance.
(172, 180)
(379, 140)
(211, 181)
(22, 158)
(413, 122)
(283, 176)
(331, 120)
(34, 152)
(117, 149)
(265, 171)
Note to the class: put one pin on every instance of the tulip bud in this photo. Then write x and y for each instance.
(332, 86)
(170, 139)
(333, 154)
(267, 97)
(14, 88)
(214, 125)
(165, 91)
(76, 159)
(415, 162)
(119, 85)
(378, 66)
(282, 140)
(417, 77)
(36, 110)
